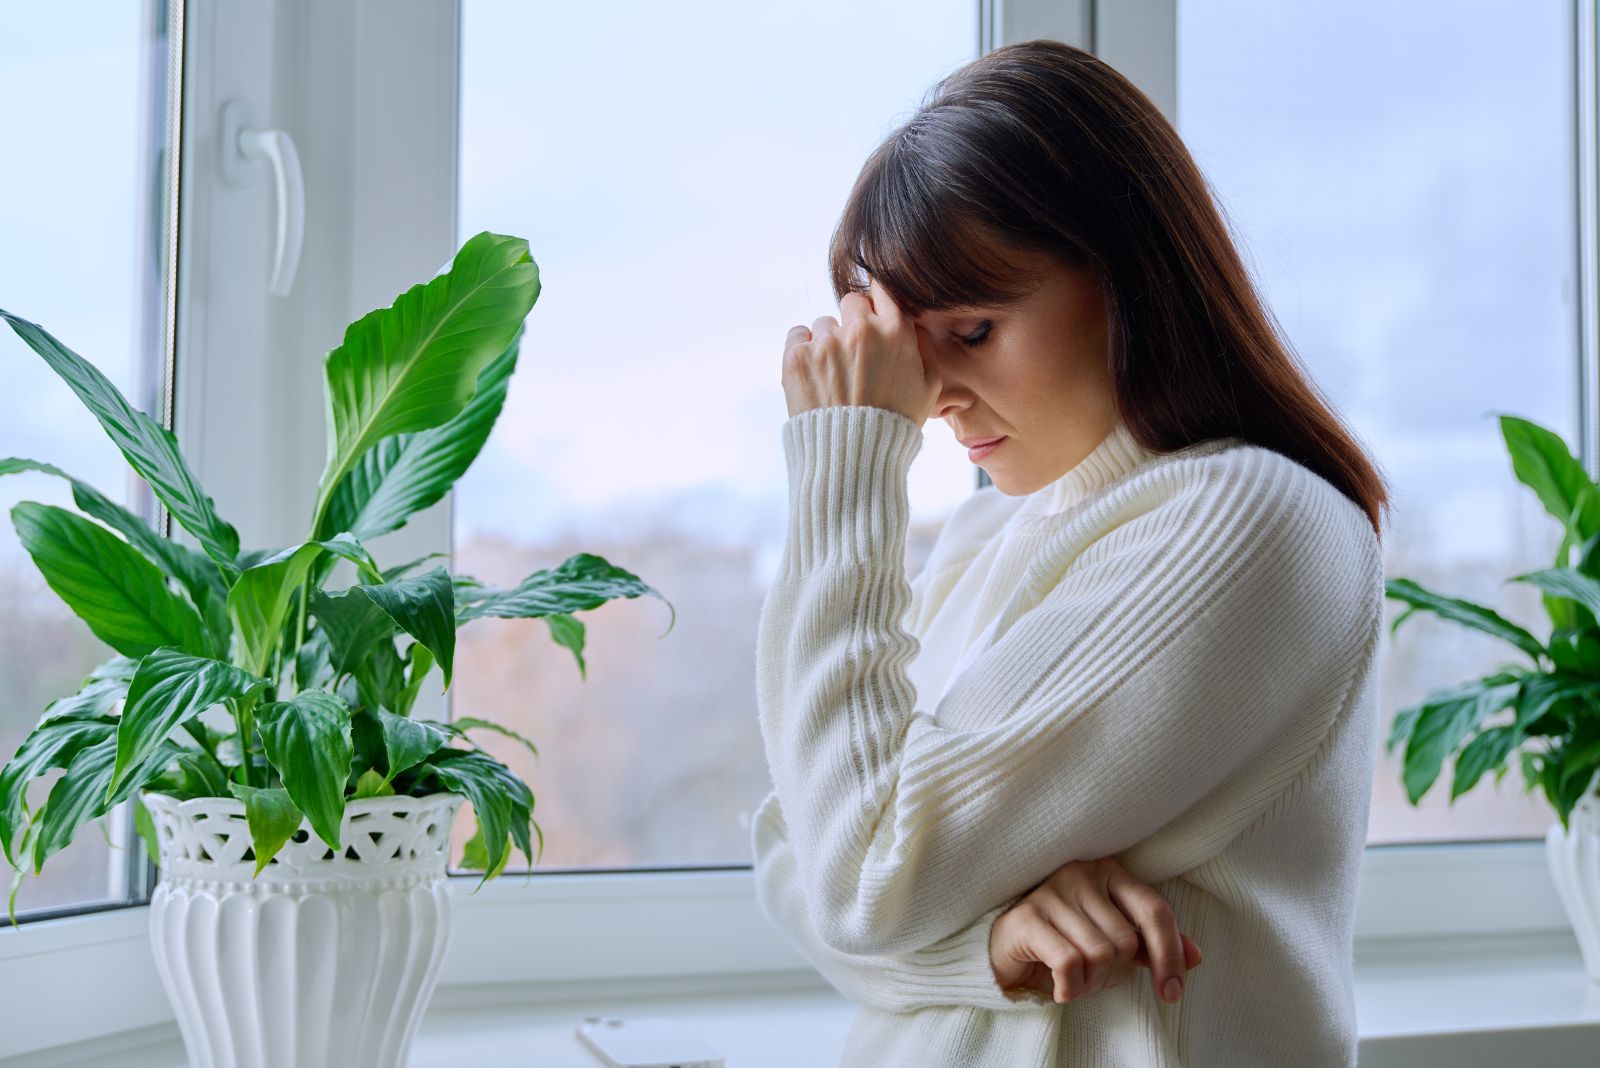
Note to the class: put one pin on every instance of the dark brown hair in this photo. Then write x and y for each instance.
(1043, 147)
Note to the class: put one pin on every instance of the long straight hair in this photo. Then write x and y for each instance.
(1041, 146)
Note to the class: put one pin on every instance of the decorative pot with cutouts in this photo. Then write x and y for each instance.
(319, 959)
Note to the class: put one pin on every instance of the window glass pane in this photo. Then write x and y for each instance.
(1400, 179)
(83, 110)
(678, 182)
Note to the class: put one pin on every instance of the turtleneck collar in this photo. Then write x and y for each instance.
(1116, 455)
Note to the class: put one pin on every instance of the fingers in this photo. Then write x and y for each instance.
(1045, 944)
(1116, 929)
(1158, 926)
(1101, 957)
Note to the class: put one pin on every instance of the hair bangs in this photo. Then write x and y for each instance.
(925, 251)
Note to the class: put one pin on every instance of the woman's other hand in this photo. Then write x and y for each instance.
(1083, 929)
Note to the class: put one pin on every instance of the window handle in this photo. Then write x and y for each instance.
(243, 148)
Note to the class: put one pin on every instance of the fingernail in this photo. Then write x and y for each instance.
(1173, 988)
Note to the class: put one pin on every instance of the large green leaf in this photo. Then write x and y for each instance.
(1541, 461)
(415, 364)
(502, 802)
(81, 794)
(1456, 610)
(1445, 720)
(403, 474)
(408, 742)
(579, 582)
(352, 625)
(1566, 582)
(200, 575)
(150, 448)
(308, 741)
(271, 816)
(98, 692)
(169, 687)
(121, 596)
(259, 601)
(424, 607)
(51, 745)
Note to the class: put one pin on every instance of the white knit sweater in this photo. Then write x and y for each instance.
(1167, 657)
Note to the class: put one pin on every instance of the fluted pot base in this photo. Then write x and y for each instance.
(1574, 857)
(320, 960)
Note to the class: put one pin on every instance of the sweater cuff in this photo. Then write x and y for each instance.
(959, 967)
(847, 482)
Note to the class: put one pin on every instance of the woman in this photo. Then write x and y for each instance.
(1132, 690)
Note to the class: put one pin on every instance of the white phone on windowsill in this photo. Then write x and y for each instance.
(645, 1042)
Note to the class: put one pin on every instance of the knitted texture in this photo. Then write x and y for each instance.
(1163, 657)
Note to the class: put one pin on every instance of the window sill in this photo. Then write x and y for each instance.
(1491, 1001)
(607, 938)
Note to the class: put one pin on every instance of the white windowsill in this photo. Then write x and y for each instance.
(1457, 946)
(1519, 1000)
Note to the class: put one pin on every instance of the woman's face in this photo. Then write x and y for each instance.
(1040, 376)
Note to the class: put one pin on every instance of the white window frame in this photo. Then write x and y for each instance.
(332, 76)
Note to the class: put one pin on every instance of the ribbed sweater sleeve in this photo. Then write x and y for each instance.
(1160, 660)
(955, 970)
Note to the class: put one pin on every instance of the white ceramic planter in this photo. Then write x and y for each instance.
(1574, 857)
(319, 961)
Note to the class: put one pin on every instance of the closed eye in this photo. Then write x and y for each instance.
(979, 336)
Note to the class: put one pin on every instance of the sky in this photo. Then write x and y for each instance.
(1399, 177)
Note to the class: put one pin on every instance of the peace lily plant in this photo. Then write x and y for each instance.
(1554, 697)
(318, 684)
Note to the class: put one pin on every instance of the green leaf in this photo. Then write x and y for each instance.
(415, 365)
(1541, 460)
(1566, 582)
(1446, 718)
(199, 575)
(353, 626)
(271, 817)
(1487, 751)
(313, 663)
(100, 690)
(150, 448)
(401, 475)
(308, 741)
(80, 794)
(419, 662)
(168, 687)
(347, 545)
(579, 582)
(424, 608)
(259, 601)
(466, 774)
(408, 742)
(52, 745)
(380, 677)
(468, 723)
(146, 827)
(372, 784)
(121, 596)
(1575, 650)
(473, 855)
(1458, 611)
(400, 569)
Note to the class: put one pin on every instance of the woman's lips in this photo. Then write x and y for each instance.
(978, 452)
